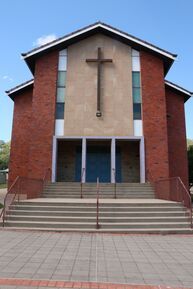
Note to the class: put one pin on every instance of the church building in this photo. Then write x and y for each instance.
(99, 106)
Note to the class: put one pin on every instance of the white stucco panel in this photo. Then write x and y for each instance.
(138, 127)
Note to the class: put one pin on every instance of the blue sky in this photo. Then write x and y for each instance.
(165, 23)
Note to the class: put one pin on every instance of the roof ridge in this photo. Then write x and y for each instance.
(24, 54)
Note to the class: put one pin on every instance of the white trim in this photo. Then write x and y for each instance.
(113, 159)
(178, 88)
(83, 160)
(100, 137)
(54, 158)
(107, 28)
(142, 160)
(20, 87)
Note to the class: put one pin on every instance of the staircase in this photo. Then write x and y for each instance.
(123, 190)
(134, 211)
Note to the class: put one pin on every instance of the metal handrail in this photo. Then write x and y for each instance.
(190, 200)
(115, 184)
(97, 206)
(183, 197)
(81, 183)
(16, 185)
(16, 182)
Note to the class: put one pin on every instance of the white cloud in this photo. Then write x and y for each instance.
(6, 77)
(44, 39)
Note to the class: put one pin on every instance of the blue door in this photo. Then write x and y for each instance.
(98, 164)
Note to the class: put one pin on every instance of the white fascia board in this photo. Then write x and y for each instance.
(20, 87)
(59, 41)
(139, 42)
(107, 28)
(178, 88)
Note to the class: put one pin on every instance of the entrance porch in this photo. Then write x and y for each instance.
(111, 159)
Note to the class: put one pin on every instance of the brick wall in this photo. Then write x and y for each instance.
(178, 165)
(154, 116)
(130, 169)
(20, 141)
(66, 161)
(43, 114)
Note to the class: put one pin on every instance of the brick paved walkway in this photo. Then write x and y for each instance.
(125, 259)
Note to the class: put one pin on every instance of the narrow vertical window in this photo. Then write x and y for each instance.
(60, 93)
(136, 85)
(136, 91)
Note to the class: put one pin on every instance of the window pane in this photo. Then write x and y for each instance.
(135, 64)
(136, 79)
(136, 95)
(62, 63)
(60, 94)
(61, 78)
(136, 111)
(135, 52)
(59, 110)
(63, 52)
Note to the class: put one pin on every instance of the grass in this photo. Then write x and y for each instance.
(3, 186)
(1, 206)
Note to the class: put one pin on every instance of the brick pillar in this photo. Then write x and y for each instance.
(178, 162)
(154, 117)
(43, 115)
(20, 140)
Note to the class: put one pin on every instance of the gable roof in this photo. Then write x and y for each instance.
(25, 85)
(98, 27)
(186, 93)
(20, 88)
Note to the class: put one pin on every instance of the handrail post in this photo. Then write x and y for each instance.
(97, 206)
(81, 183)
(115, 185)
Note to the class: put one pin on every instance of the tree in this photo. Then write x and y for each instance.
(4, 154)
(190, 163)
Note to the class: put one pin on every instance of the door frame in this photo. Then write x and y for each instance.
(113, 153)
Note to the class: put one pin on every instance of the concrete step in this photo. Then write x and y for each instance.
(76, 184)
(82, 213)
(160, 231)
(89, 219)
(101, 197)
(93, 209)
(112, 226)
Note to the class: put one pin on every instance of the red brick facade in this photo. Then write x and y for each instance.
(154, 117)
(20, 141)
(43, 114)
(176, 135)
(34, 121)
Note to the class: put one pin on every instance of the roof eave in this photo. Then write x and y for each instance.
(137, 43)
(180, 90)
(20, 88)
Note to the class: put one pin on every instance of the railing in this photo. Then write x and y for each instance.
(173, 189)
(23, 188)
(97, 205)
(115, 184)
(81, 182)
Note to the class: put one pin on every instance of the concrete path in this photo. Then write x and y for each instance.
(79, 257)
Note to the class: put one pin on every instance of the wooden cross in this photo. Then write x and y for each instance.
(99, 60)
